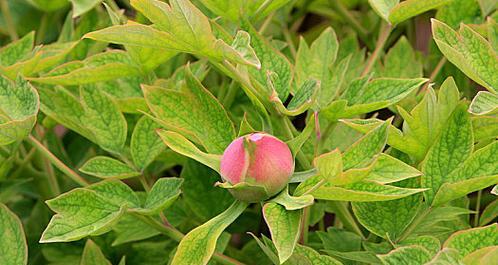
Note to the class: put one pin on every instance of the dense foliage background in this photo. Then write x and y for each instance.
(114, 115)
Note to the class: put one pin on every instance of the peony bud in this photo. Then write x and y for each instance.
(256, 166)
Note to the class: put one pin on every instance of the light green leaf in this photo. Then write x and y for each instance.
(410, 8)
(82, 6)
(329, 165)
(12, 242)
(487, 6)
(484, 103)
(383, 7)
(19, 104)
(17, 50)
(486, 255)
(107, 167)
(88, 211)
(316, 62)
(145, 145)
(241, 51)
(311, 257)
(162, 195)
(198, 245)
(272, 61)
(183, 146)
(447, 256)
(451, 148)
(388, 169)
(302, 100)
(485, 128)
(470, 240)
(92, 255)
(362, 192)
(430, 243)
(406, 255)
(103, 118)
(193, 112)
(394, 61)
(296, 143)
(452, 191)
(363, 96)
(469, 51)
(284, 228)
(101, 67)
(291, 202)
(363, 151)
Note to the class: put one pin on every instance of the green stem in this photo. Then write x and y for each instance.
(176, 235)
(478, 206)
(56, 162)
(305, 223)
(383, 35)
(9, 22)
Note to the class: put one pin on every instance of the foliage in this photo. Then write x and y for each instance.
(115, 115)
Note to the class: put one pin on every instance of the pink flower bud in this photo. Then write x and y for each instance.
(260, 163)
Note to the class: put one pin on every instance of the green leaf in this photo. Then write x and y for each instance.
(82, 6)
(183, 146)
(485, 128)
(162, 195)
(329, 165)
(19, 104)
(467, 241)
(107, 167)
(241, 51)
(17, 50)
(198, 245)
(406, 255)
(430, 243)
(202, 197)
(88, 211)
(388, 219)
(101, 67)
(272, 61)
(103, 118)
(302, 100)
(296, 143)
(387, 169)
(363, 96)
(316, 63)
(363, 151)
(410, 8)
(291, 202)
(145, 145)
(362, 192)
(193, 112)
(131, 229)
(310, 256)
(484, 103)
(394, 61)
(469, 51)
(92, 255)
(489, 213)
(284, 228)
(479, 171)
(12, 242)
(383, 7)
(447, 256)
(451, 148)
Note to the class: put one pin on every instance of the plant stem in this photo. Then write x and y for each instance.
(56, 162)
(176, 235)
(434, 74)
(8, 20)
(379, 45)
(305, 223)
(478, 206)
